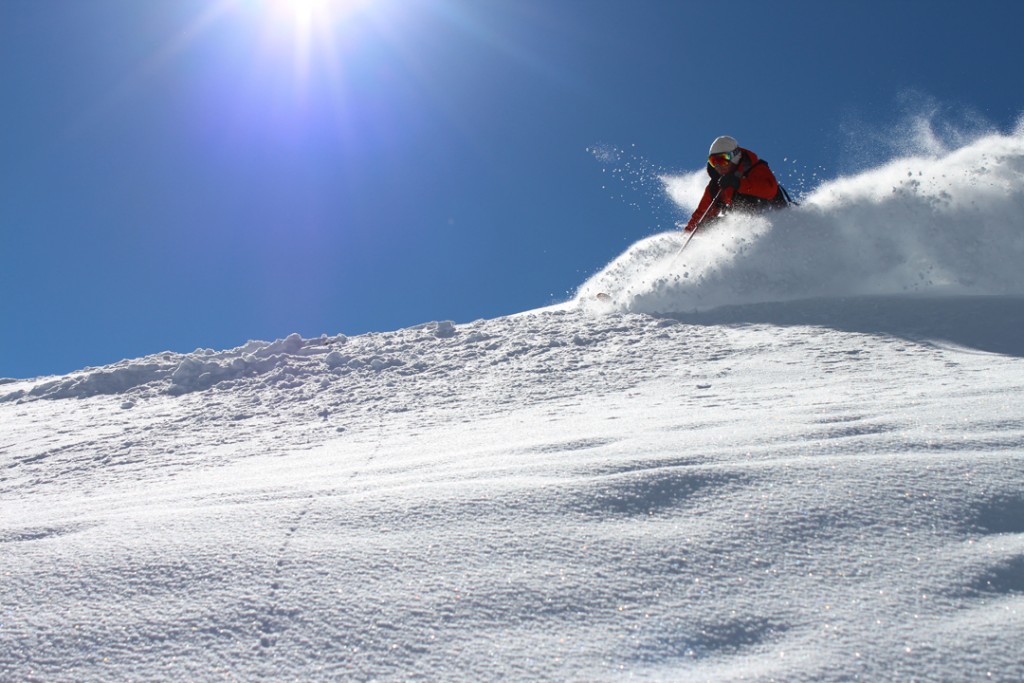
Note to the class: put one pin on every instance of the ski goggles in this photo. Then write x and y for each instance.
(722, 158)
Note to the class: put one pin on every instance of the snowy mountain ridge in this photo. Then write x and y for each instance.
(943, 226)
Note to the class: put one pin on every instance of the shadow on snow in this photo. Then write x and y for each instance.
(993, 324)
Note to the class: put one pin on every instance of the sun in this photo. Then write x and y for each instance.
(304, 9)
(306, 13)
(312, 26)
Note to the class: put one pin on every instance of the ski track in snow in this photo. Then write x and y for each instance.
(824, 487)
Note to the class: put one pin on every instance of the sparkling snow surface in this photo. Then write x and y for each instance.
(804, 469)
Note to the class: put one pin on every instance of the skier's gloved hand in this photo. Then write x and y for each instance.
(730, 180)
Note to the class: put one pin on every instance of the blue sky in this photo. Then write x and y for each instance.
(178, 174)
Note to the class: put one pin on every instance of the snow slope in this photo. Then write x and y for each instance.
(817, 487)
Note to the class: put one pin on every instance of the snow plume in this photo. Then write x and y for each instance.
(948, 223)
(924, 126)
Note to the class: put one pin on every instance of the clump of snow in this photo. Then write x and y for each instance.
(944, 224)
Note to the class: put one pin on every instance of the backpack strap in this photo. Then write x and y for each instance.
(783, 192)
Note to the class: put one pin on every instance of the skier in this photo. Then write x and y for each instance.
(739, 181)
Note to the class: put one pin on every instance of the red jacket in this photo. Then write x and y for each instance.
(758, 189)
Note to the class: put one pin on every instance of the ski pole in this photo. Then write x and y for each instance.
(695, 227)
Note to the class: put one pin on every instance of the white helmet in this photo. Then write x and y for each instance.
(724, 144)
